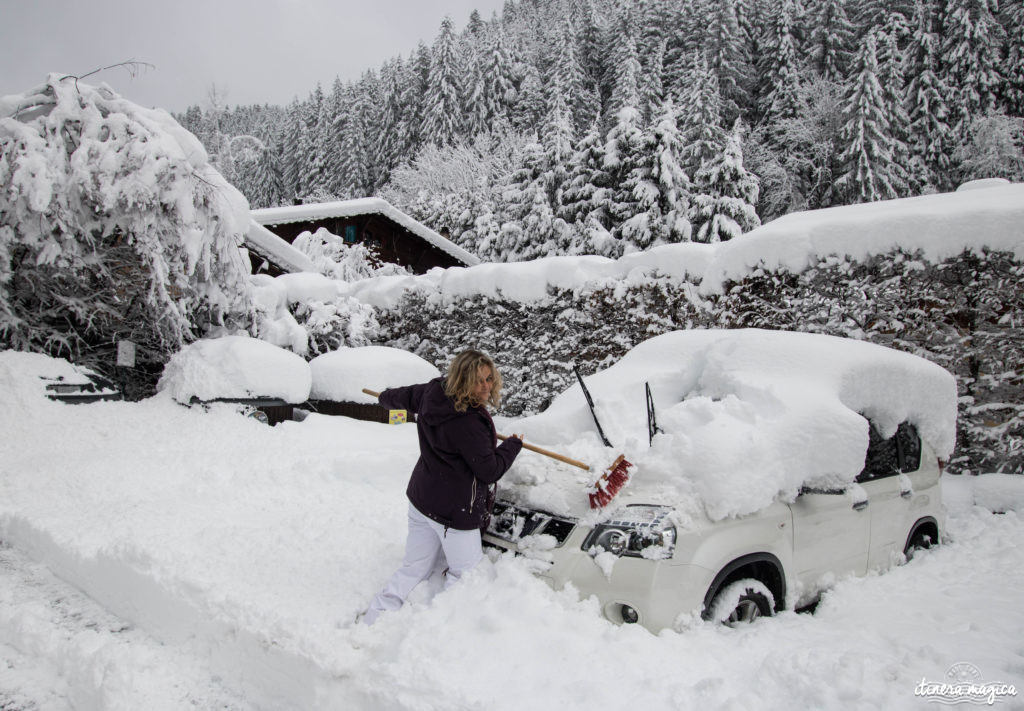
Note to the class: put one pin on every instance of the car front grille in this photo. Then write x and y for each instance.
(512, 523)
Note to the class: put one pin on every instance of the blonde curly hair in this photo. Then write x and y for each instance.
(463, 377)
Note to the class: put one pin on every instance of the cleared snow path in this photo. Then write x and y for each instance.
(59, 650)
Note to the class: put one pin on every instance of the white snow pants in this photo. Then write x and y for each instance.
(426, 540)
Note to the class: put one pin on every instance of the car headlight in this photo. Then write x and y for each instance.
(638, 530)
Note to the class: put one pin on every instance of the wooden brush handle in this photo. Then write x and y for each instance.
(553, 455)
(532, 448)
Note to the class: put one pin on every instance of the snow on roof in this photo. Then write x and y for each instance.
(362, 206)
(748, 416)
(341, 375)
(268, 245)
(941, 225)
(235, 367)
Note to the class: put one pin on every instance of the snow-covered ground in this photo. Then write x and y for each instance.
(159, 557)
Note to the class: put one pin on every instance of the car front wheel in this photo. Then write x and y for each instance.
(742, 602)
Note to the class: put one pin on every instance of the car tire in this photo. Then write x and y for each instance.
(742, 602)
(920, 541)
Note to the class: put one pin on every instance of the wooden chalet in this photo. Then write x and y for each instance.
(393, 235)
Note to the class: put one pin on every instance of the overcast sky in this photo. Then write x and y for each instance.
(258, 51)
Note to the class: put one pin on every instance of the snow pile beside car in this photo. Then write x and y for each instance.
(745, 417)
(235, 367)
(342, 374)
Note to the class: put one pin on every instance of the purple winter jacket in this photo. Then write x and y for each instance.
(458, 458)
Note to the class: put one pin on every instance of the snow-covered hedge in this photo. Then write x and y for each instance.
(113, 225)
(964, 313)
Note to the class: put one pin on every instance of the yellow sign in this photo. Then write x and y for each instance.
(396, 417)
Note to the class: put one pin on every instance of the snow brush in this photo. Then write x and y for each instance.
(532, 448)
(614, 478)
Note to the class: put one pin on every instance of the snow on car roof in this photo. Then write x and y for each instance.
(235, 367)
(26, 375)
(342, 374)
(747, 416)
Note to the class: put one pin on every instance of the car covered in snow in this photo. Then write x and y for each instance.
(260, 379)
(780, 462)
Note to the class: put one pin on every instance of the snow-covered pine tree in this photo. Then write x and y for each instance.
(780, 65)
(726, 55)
(626, 70)
(267, 188)
(650, 88)
(530, 103)
(292, 175)
(725, 208)
(443, 100)
(969, 60)
(890, 77)
(414, 98)
(931, 141)
(624, 153)
(866, 148)
(113, 226)
(699, 119)
(660, 185)
(580, 96)
(586, 192)
(493, 91)
(1012, 18)
(388, 146)
(832, 40)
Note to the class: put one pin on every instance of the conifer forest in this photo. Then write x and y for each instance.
(585, 127)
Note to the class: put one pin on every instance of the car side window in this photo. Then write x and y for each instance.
(908, 442)
(882, 458)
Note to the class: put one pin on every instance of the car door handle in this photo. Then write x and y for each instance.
(906, 494)
(860, 505)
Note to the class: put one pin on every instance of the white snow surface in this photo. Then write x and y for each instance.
(361, 206)
(235, 367)
(941, 226)
(341, 375)
(206, 561)
(747, 416)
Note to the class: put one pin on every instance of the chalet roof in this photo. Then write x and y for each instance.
(274, 249)
(363, 206)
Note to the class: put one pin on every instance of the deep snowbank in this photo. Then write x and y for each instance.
(248, 550)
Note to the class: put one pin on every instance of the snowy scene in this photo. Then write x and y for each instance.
(751, 273)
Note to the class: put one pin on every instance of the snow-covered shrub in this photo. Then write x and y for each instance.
(113, 226)
(347, 262)
(305, 313)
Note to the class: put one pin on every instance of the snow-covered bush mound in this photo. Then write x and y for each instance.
(113, 225)
(338, 260)
(999, 492)
(305, 313)
(746, 416)
(342, 374)
(236, 367)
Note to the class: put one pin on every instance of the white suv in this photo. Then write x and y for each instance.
(666, 550)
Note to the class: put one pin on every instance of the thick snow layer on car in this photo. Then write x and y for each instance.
(746, 417)
(25, 375)
(235, 367)
(342, 374)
